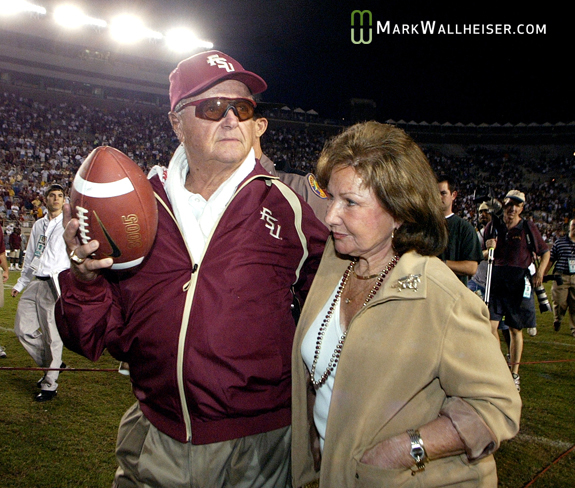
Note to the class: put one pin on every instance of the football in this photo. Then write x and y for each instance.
(115, 204)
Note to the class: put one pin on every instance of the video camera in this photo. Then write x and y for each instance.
(485, 194)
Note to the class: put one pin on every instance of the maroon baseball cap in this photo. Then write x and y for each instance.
(201, 71)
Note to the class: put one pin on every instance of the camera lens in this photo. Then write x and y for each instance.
(544, 305)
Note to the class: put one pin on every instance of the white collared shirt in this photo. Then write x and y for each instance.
(53, 259)
(197, 216)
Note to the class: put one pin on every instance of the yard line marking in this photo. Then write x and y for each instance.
(557, 343)
(4, 329)
(543, 440)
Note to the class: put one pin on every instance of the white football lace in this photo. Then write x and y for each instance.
(83, 218)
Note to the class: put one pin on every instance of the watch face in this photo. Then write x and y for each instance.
(417, 452)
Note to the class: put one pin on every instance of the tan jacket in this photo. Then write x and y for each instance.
(305, 186)
(409, 355)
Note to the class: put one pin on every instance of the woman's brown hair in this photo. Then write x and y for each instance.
(395, 168)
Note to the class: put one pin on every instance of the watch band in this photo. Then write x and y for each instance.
(417, 451)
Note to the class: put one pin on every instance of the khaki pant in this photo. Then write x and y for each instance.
(35, 327)
(564, 300)
(148, 458)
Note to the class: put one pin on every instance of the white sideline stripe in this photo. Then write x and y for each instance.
(544, 441)
(4, 329)
(557, 344)
(103, 190)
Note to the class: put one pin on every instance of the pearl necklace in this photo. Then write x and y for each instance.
(338, 348)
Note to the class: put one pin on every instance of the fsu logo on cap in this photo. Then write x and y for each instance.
(216, 59)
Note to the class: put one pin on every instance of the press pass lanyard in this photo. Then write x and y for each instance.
(40, 247)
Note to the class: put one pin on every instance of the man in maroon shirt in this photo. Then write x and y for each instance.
(514, 276)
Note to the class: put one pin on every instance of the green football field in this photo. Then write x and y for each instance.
(69, 441)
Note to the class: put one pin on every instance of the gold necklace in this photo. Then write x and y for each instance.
(361, 277)
(348, 300)
(338, 348)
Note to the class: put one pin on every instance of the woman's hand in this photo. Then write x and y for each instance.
(392, 453)
(440, 439)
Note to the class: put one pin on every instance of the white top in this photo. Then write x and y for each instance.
(197, 216)
(53, 259)
(330, 339)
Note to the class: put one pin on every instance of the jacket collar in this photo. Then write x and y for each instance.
(407, 281)
(410, 267)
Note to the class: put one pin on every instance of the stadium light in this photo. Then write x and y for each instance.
(129, 30)
(70, 16)
(12, 7)
(182, 40)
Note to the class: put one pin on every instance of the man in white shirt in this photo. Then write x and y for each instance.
(35, 325)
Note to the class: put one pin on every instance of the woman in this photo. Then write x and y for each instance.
(389, 340)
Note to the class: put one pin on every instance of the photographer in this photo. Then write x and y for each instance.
(478, 282)
(512, 282)
(563, 289)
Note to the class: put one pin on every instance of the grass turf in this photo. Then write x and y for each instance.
(70, 441)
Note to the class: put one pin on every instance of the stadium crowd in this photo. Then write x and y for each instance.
(45, 142)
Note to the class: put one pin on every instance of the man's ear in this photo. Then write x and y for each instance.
(261, 126)
(176, 125)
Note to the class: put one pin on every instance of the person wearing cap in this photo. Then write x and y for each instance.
(35, 325)
(304, 185)
(477, 282)
(205, 322)
(463, 252)
(512, 280)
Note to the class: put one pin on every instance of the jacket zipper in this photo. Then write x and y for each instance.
(189, 288)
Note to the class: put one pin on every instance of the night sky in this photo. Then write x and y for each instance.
(303, 49)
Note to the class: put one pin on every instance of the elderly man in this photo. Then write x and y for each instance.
(515, 241)
(563, 256)
(206, 321)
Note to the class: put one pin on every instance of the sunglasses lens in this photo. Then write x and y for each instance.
(212, 109)
(244, 110)
(216, 108)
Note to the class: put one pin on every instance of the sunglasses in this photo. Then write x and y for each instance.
(217, 108)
